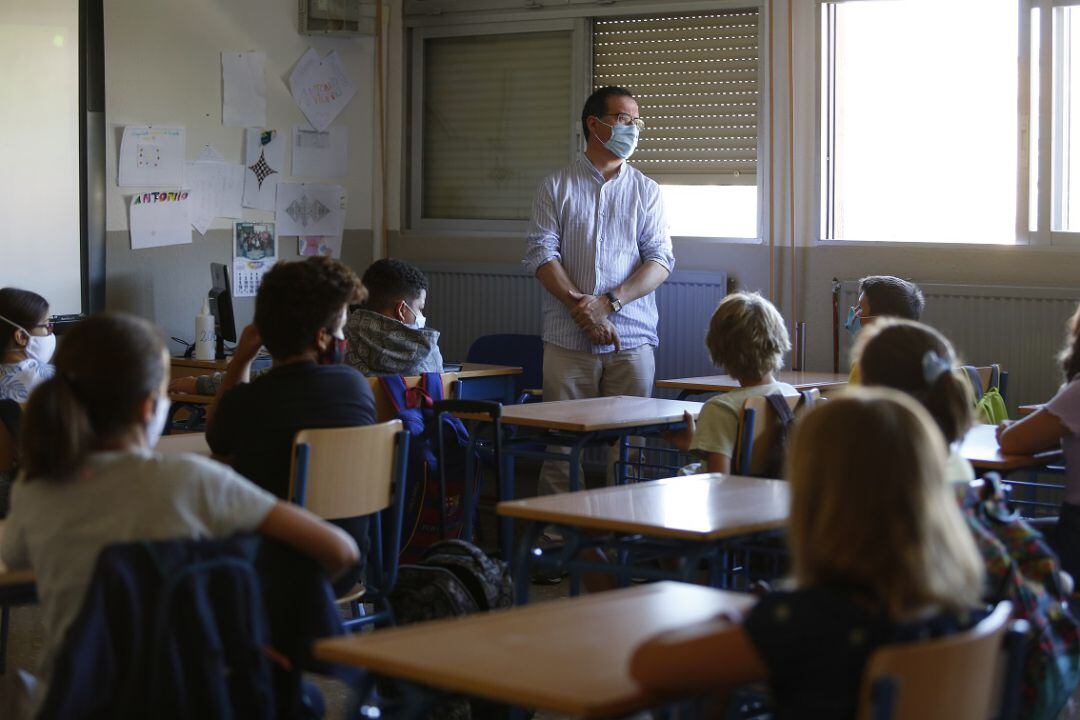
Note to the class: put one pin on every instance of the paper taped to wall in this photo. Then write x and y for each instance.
(254, 253)
(159, 218)
(324, 245)
(243, 101)
(151, 156)
(320, 87)
(215, 189)
(320, 153)
(310, 209)
(264, 158)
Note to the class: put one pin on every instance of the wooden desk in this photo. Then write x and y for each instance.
(599, 414)
(570, 657)
(725, 383)
(980, 448)
(698, 507)
(176, 443)
(1025, 410)
(187, 367)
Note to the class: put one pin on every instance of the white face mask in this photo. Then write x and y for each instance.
(157, 423)
(41, 348)
(420, 321)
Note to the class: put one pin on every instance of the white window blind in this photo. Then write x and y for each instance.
(695, 77)
(496, 121)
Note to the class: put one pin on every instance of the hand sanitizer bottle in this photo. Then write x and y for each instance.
(205, 339)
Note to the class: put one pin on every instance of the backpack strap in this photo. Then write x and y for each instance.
(995, 376)
(780, 406)
(394, 386)
(433, 386)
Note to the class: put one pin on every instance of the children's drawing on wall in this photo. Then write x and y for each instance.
(264, 159)
(254, 253)
(320, 87)
(243, 102)
(151, 156)
(310, 209)
(320, 154)
(315, 245)
(156, 219)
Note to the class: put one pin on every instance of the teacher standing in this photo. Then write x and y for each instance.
(598, 243)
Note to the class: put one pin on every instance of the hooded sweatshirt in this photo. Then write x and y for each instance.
(379, 345)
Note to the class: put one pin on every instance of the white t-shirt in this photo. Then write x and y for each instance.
(59, 528)
(718, 424)
(1065, 406)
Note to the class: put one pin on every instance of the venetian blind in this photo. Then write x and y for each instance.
(695, 77)
(496, 122)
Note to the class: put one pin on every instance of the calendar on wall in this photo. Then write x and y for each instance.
(255, 251)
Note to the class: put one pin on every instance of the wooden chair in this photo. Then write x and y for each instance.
(760, 430)
(972, 675)
(350, 472)
(384, 408)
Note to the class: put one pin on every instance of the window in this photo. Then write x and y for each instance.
(1064, 116)
(696, 78)
(496, 105)
(495, 118)
(920, 127)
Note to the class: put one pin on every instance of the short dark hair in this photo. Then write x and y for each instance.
(390, 281)
(297, 299)
(21, 307)
(892, 297)
(596, 105)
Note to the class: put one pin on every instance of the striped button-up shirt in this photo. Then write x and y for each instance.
(601, 232)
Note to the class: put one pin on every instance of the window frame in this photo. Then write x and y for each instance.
(579, 20)
(1043, 236)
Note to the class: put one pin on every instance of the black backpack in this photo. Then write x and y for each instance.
(778, 449)
(454, 578)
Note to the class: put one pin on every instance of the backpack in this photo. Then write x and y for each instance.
(422, 515)
(454, 578)
(989, 405)
(774, 466)
(1021, 568)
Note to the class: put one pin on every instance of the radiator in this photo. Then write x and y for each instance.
(1020, 328)
(467, 301)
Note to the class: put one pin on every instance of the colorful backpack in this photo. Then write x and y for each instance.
(1021, 568)
(422, 515)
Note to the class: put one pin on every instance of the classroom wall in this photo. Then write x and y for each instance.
(163, 66)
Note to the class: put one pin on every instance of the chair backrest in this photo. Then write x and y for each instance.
(758, 431)
(524, 351)
(384, 408)
(345, 472)
(957, 677)
(988, 376)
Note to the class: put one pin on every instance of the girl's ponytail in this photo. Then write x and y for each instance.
(56, 431)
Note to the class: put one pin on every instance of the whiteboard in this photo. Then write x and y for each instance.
(40, 229)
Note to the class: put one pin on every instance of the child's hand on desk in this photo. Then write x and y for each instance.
(183, 385)
(1002, 427)
(683, 437)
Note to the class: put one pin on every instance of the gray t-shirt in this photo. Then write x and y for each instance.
(59, 528)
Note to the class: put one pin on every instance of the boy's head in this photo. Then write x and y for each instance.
(301, 305)
(397, 290)
(747, 337)
(888, 296)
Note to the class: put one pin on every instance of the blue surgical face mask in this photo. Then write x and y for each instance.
(624, 139)
(854, 321)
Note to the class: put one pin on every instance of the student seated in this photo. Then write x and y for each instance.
(300, 313)
(91, 477)
(388, 335)
(918, 360)
(747, 338)
(26, 343)
(880, 555)
(882, 296)
(1058, 421)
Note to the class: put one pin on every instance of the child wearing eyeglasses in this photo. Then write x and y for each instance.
(26, 341)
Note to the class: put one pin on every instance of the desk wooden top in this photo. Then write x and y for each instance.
(567, 656)
(13, 577)
(594, 414)
(980, 448)
(475, 370)
(725, 383)
(191, 398)
(183, 443)
(698, 507)
(1028, 409)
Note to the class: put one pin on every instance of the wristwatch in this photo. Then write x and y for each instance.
(616, 304)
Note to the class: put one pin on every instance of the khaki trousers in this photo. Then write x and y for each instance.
(570, 375)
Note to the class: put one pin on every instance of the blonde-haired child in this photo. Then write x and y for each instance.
(880, 553)
(747, 338)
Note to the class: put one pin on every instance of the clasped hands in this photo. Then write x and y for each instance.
(590, 312)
